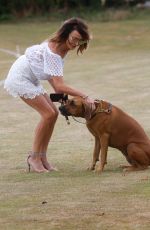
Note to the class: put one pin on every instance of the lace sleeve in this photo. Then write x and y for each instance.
(53, 64)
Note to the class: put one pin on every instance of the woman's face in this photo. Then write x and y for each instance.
(74, 40)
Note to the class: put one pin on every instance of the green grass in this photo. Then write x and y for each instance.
(116, 67)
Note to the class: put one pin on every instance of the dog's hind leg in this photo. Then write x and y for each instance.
(95, 153)
(137, 157)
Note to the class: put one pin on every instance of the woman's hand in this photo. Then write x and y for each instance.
(89, 100)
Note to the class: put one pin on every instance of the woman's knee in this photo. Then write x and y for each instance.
(50, 116)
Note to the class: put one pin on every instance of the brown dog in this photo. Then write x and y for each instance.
(111, 127)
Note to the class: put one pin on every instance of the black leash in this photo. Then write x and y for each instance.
(67, 119)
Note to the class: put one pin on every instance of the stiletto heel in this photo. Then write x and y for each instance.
(29, 166)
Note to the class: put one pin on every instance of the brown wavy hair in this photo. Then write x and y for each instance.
(68, 26)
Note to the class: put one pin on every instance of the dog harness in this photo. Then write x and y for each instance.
(100, 109)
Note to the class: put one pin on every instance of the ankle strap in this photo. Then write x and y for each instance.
(34, 154)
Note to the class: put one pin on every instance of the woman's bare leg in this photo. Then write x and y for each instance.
(43, 150)
(43, 131)
(44, 145)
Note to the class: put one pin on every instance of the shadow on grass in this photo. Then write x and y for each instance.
(19, 174)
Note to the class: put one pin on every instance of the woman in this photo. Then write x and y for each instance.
(45, 62)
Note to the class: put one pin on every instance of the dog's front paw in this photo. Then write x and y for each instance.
(98, 170)
(91, 168)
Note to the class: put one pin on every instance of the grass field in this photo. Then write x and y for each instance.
(116, 67)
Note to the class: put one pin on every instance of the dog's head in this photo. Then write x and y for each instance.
(77, 107)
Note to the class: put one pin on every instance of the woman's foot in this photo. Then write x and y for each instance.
(46, 164)
(35, 162)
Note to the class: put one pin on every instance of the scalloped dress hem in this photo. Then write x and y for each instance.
(21, 82)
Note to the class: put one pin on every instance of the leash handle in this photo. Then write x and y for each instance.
(67, 119)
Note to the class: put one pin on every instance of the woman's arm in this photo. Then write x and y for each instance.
(60, 87)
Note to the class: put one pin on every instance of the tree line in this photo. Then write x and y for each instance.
(21, 8)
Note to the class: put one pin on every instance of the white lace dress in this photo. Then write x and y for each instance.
(38, 63)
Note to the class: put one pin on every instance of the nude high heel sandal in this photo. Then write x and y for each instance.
(40, 168)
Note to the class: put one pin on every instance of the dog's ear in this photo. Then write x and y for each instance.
(88, 109)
